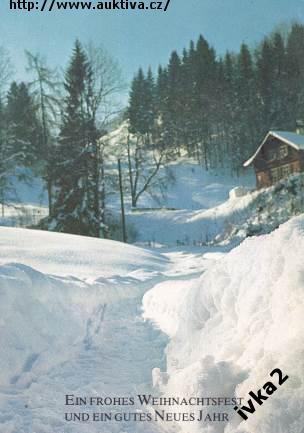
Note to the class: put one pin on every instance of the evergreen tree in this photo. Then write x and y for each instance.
(295, 73)
(76, 207)
(187, 97)
(247, 109)
(150, 102)
(10, 158)
(23, 128)
(161, 91)
(146, 148)
(142, 105)
(204, 100)
(6, 163)
(173, 107)
(280, 83)
(230, 104)
(265, 77)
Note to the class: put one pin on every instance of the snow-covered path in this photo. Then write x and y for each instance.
(72, 316)
(96, 344)
(116, 359)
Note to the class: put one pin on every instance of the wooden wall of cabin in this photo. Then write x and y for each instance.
(265, 179)
(263, 161)
(264, 165)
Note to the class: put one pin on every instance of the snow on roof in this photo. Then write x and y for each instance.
(295, 140)
(290, 138)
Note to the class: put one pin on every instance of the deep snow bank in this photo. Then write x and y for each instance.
(41, 318)
(44, 317)
(232, 327)
(62, 254)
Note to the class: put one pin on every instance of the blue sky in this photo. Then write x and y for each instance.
(143, 38)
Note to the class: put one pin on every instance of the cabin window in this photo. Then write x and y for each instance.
(281, 172)
(275, 174)
(272, 154)
(277, 153)
(283, 152)
(287, 170)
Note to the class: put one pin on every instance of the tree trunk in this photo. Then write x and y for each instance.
(123, 219)
(49, 190)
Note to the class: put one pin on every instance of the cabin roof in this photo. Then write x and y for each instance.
(291, 138)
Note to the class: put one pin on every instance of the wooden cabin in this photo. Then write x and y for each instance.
(280, 155)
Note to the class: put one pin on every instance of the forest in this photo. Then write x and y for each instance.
(215, 109)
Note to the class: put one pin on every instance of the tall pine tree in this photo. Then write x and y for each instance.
(76, 207)
(23, 128)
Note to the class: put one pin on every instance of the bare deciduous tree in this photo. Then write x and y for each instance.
(6, 71)
(107, 84)
(144, 164)
(104, 103)
(46, 90)
(7, 156)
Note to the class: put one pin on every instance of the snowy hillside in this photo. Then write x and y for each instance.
(196, 196)
(72, 316)
(196, 210)
(256, 212)
(232, 326)
(188, 185)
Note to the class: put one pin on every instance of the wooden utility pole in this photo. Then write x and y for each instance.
(123, 218)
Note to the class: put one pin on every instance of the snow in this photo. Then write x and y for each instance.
(70, 324)
(190, 190)
(97, 318)
(190, 228)
(256, 212)
(194, 188)
(238, 191)
(232, 326)
(22, 215)
(29, 187)
(296, 140)
(82, 257)
(189, 187)
(123, 321)
(195, 194)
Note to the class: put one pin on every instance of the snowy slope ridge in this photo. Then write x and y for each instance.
(270, 207)
(234, 325)
(83, 257)
(257, 212)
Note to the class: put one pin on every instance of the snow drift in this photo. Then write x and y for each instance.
(35, 307)
(75, 331)
(233, 326)
(83, 257)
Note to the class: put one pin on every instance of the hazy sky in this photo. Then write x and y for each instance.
(143, 38)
